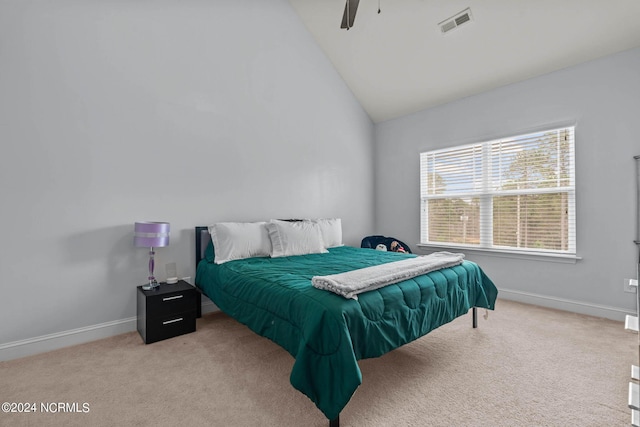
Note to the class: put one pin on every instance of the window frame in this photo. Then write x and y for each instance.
(486, 195)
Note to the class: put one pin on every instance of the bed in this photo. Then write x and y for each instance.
(326, 333)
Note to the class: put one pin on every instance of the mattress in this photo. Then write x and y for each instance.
(326, 333)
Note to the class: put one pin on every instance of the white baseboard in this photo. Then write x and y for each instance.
(41, 344)
(608, 312)
(208, 306)
(44, 343)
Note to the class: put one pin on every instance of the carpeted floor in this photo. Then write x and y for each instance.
(524, 366)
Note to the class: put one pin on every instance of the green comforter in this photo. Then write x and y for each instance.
(326, 333)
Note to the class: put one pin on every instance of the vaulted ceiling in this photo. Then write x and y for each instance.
(399, 61)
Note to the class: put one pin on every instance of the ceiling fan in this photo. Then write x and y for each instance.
(349, 15)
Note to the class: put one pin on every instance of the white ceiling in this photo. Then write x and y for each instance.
(398, 62)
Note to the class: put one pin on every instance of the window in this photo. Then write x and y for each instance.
(515, 194)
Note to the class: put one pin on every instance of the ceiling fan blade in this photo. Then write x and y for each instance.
(349, 15)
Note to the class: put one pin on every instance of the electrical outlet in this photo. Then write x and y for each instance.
(630, 285)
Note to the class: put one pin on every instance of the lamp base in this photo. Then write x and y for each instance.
(151, 286)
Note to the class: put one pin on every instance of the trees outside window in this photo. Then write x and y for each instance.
(515, 193)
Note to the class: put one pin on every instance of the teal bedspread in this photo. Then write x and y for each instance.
(326, 333)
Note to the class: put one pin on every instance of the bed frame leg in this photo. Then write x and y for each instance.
(475, 317)
(335, 422)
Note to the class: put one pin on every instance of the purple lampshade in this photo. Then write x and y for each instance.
(151, 234)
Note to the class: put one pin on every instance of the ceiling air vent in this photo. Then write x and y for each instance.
(455, 21)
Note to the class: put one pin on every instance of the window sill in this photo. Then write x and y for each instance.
(527, 255)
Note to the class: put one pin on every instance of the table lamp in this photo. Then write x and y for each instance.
(151, 235)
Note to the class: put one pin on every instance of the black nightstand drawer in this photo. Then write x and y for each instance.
(173, 302)
(170, 326)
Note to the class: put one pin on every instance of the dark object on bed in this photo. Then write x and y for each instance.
(326, 333)
(371, 242)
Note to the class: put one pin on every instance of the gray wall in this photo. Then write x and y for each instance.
(603, 98)
(190, 112)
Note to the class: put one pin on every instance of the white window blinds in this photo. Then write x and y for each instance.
(515, 193)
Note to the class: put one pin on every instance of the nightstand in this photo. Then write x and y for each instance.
(167, 311)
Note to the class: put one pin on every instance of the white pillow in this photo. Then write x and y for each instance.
(331, 230)
(295, 238)
(238, 240)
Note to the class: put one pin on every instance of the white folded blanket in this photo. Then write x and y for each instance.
(351, 283)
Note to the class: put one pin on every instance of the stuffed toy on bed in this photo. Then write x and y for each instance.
(397, 247)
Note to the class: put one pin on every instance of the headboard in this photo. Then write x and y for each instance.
(202, 240)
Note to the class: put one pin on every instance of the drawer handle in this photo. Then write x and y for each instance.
(172, 321)
(171, 298)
